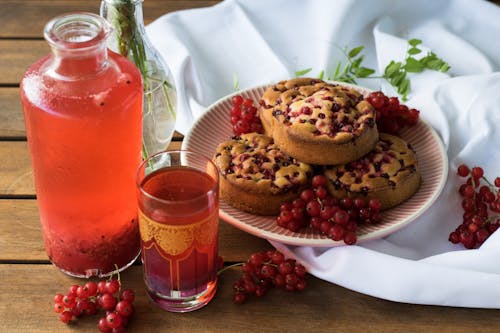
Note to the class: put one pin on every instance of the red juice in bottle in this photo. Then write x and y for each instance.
(83, 113)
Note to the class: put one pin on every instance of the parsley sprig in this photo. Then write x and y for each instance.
(396, 72)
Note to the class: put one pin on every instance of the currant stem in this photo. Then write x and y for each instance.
(228, 267)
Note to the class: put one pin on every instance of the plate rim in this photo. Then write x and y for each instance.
(323, 241)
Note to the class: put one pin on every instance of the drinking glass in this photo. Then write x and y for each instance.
(178, 193)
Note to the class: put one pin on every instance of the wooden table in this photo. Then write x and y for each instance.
(28, 281)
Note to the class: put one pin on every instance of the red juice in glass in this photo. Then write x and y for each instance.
(83, 114)
(178, 221)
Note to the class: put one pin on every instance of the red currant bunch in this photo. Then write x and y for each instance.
(244, 116)
(391, 115)
(337, 219)
(88, 299)
(481, 198)
(265, 270)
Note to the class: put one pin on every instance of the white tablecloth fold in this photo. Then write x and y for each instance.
(263, 41)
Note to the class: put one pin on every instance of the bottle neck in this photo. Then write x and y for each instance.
(126, 18)
(78, 44)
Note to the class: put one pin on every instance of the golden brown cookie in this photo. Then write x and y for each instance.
(256, 176)
(388, 173)
(318, 122)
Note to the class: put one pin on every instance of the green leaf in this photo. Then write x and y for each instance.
(236, 84)
(413, 65)
(444, 68)
(302, 72)
(392, 69)
(355, 51)
(321, 75)
(404, 87)
(414, 42)
(414, 50)
(434, 64)
(397, 79)
(337, 71)
(364, 72)
(356, 63)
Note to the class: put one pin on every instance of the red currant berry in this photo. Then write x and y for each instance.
(72, 290)
(91, 287)
(336, 232)
(58, 298)
(350, 238)
(285, 268)
(107, 301)
(239, 298)
(301, 285)
(413, 115)
(477, 172)
(58, 307)
(341, 217)
(237, 100)
(497, 182)
(307, 195)
(377, 102)
(102, 325)
(300, 270)
(463, 170)
(66, 316)
(112, 286)
(319, 180)
(277, 258)
(113, 320)
(359, 203)
(69, 301)
(256, 259)
(91, 309)
(247, 102)
(313, 208)
(375, 205)
(320, 192)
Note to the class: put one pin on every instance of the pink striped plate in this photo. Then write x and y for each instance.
(214, 127)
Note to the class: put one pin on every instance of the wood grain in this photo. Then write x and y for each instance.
(17, 176)
(26, 19)
(17, 56)
(11, 116)
(322, 307)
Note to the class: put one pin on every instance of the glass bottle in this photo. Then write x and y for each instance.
(129, 39)
(82, 106)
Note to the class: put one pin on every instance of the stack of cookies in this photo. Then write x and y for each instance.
(310, 127)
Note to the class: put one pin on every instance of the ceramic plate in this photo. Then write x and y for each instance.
(214, 127)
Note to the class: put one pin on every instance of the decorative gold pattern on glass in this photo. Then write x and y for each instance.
(173, 240)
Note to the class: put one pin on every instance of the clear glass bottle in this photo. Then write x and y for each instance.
(129, 39)
(82, 107)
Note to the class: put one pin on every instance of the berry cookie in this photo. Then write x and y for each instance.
(257, 176)
(318, 122)
(388, 173)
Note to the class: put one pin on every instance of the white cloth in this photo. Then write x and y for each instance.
(263, 41)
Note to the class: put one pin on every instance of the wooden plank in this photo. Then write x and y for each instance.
(20, 217)
(20, 231)
(322, 307)
(17, 176)
(27, 18)
(16, 56)
(11, 116)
